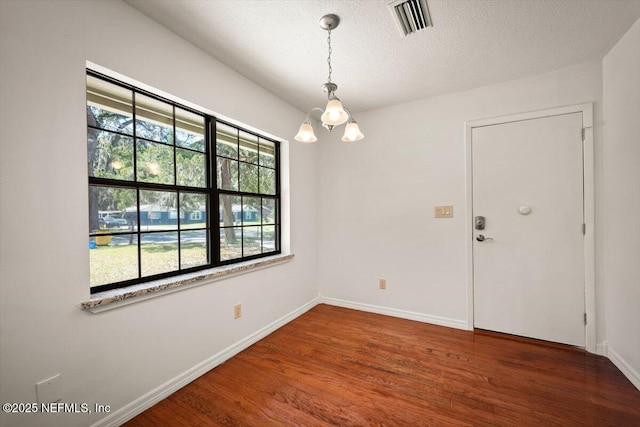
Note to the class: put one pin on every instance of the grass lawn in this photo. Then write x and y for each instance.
(118, 261)
(115, 263)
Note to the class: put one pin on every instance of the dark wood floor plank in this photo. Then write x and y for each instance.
(339, 367)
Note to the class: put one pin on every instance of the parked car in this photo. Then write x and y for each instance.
(114, 222)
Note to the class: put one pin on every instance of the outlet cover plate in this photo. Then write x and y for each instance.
(48, 391)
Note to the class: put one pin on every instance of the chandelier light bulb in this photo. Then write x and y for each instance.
(352, 132)
(334, 114)
(305, 133)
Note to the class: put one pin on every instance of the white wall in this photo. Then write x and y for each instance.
(377, 197)
(114, 357)
(372, 204)
(621, 98)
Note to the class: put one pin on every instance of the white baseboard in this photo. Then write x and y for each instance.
(394, 312)
(624, 367)
(165, 390)
(632, 375)
(602, 349)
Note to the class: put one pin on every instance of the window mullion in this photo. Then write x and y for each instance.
(175, 182)
(214, 195)
(138, 234)
(135, 137)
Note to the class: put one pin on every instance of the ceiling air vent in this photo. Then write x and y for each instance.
(410, 15)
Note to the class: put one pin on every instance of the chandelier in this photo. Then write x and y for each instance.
(335, 113)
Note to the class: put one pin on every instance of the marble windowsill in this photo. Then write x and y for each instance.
(108, 300)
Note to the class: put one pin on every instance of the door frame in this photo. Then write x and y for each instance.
(588, 200)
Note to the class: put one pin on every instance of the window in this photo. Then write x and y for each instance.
(246, 176)
(153, 188)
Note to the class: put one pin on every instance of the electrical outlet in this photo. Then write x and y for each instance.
(237, 311)
(382, 283)
(48, 391)
(444, 211)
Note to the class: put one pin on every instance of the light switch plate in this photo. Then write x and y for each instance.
(444, 211)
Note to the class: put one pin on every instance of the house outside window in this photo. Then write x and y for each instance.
(156, 171)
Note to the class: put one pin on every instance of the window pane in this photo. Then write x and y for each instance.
(108, 208)
(248, 147)
(110, 155)
(267, 181)
(155, 162)
(251, 237)
(159, 253)
(109, 106)
(113, 259)
(157, 210)
(226, 141)
(268, 238)
(189, 130)
(248, 178)
(230, 243)
(250, 210)
(191, 168)
(227, 171)
(230, 210)
(154, 119)
(269, 213)
(267, 153)
(193, 248)
(193, 210)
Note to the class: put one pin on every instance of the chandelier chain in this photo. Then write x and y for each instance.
(329, 57)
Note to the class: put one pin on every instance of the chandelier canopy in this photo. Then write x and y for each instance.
(335, 114)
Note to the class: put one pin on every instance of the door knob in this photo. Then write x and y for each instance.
(481, 238)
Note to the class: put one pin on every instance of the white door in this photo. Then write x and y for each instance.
(529, 275)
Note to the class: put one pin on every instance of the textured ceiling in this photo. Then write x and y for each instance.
(279, 45)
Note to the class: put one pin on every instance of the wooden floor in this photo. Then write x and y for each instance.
(339, 367)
